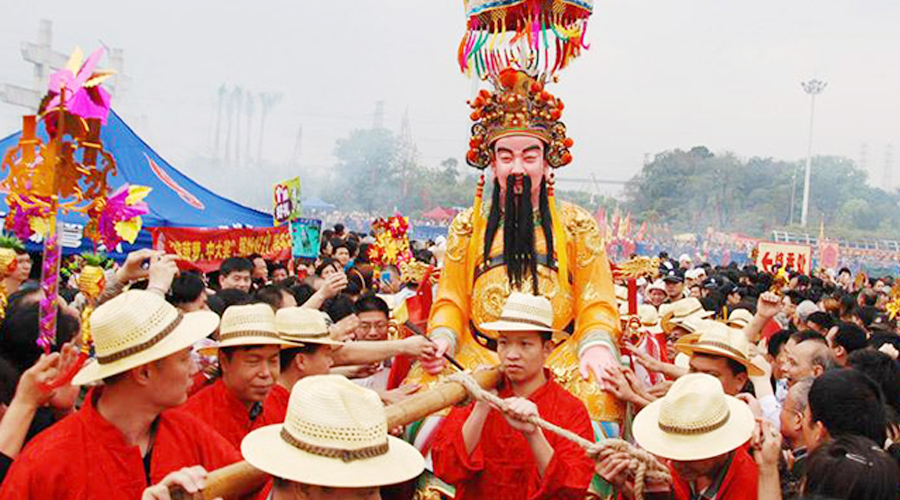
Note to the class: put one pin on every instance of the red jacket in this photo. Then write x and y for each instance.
(275, 407)
(740, 482)
(85, 457)
(502, 466)
(219, 408)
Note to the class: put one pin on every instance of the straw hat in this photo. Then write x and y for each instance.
(252, 324)
(303, 326)
(739, 318)
(523, 313)
(679, 311)
(139, 327)
(335, 435)
(694, 421)
(719, 340)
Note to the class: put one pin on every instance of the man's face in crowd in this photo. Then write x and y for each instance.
(250, 373)
(260, 270)
(237, 279)
(342, 255)
(696, 292)
(329, 270)
(519, 156)
(674, 289)
(23, 267)
(792, 420)
(198, 305)
(788, 307)
(676, 333)
(317, 362)
(295, 491)
(522, 354)
(690, 471)
(798, 362)
(279, 275)
(657, 297)
(170, 378)
(373, 325)
(718, 366)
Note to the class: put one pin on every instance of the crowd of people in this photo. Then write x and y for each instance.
(769, 386)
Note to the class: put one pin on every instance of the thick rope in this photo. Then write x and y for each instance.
(643, 465)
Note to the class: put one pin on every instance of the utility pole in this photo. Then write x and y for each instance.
(812, 88)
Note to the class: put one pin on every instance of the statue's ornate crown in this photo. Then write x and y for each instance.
(518, 106)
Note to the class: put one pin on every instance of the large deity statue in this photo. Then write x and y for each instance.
(525, 240)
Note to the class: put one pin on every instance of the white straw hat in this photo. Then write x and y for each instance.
(694, 421)
(681, 310)
(139, 327)
(523, 312)
(252, 324)
(739, 318)
(303, 326)
(717, 339)
(334, 435)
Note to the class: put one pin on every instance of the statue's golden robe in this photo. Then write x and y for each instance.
(586, 308)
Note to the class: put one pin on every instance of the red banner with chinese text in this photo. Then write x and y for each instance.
(205, 249)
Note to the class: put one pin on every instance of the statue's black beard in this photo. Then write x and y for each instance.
(519, 253)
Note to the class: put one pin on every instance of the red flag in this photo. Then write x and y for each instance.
(616, 218)
(625, 228)
(602, 222)
(641, 232)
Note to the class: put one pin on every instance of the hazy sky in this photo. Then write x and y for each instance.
(660, 74)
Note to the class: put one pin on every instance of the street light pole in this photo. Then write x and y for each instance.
(812, 88)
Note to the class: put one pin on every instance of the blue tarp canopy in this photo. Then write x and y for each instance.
(175, 201)
(316, 204)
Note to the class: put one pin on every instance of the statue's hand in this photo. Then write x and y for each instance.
(596, 360)
(434, 364)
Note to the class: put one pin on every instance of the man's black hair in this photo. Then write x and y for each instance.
(372, 303)
(186, 289)
(848, 402)
(777, 340)
(821, 318)
(804, 335)
(302, 292)
(19, 333)
(882, 369)
(227, 298)
(338, 307)
(286, 356)
(338, 228)
(850, 336)
(273, 295)
(235, 265)
(854, 468)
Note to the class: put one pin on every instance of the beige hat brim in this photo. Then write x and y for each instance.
(685, 447)
(689, 347)
(193, 327)
(267, 451)
(212, 350)
(300, 342)
(512, 326)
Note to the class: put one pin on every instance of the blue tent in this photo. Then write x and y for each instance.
(316, 204)
(175, 201)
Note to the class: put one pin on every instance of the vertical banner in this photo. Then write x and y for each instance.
(286, 199)
(784, 256)
(306, 235)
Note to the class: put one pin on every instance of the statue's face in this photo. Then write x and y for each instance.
(520, 155)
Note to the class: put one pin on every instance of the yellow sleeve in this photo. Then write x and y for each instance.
(596, 315)
(449, 313)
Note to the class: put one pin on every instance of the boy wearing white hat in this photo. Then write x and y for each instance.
(484, 453)
(333, 445)
(702, 432)
(123, 439)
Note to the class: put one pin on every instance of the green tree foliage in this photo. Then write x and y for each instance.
(693, 190)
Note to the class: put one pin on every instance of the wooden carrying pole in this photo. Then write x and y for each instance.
(239, 479)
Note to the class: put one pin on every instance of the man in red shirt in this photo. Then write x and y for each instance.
(702, 432)
(486, 454)
(248, 350)
(124, 438)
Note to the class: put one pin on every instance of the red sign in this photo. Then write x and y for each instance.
(205, 249)
(784, 256)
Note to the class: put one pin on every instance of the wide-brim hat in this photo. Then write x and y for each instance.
(739, 318)
(301, 325)
(334, 435)
(523, 313)
(683, 310)
(717, 339)
(695, 420)
(139, 327)
(245, 326)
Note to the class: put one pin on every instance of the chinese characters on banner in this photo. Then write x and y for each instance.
(205, 249)
(785, 256)
(286, 198)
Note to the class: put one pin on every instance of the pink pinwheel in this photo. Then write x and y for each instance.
(120, 218)
(81, 80)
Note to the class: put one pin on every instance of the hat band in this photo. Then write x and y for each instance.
(526, 321)
(247, 333)
(690, 431)
(143, 346)
(305, 336)
(328, 452)
(721, 345)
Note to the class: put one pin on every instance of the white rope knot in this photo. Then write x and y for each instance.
(644, 467)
